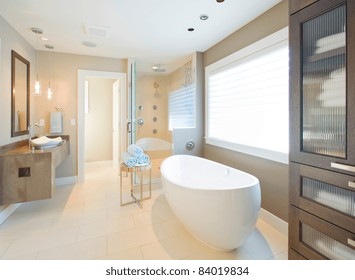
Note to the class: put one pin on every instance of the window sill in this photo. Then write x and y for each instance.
(254, 151)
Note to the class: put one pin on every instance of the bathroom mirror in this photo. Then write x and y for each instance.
(20, 91)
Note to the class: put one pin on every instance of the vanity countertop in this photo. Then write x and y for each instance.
(21, 148)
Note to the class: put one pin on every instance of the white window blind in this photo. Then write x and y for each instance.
(181, 104)
(247, 100)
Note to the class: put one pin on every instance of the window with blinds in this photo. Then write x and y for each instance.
(247, 99)
(181, 104)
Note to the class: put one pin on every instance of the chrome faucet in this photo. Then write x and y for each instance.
(29, 133)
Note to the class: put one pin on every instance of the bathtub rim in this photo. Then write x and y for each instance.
(255, 180)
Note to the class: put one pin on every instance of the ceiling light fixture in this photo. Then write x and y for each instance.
(89, 44)
(37, 84)
(158, 69)
(50, 47)
(203, 17)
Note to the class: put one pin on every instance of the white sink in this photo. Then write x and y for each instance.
(46, 142)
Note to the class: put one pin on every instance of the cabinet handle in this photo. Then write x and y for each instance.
(351, 184)
(351, 242)
(343, 166)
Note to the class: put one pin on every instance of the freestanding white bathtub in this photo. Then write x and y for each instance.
(218, 204)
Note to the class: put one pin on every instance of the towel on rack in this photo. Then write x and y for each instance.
(135, 150)
(129, 159)
(56, 122)
(143, 159)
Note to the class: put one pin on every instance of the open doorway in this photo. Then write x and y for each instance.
(117, 96)
(101, 120)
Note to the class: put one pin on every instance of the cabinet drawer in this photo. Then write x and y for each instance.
(326, 194)
(293, 255)
(315, 238)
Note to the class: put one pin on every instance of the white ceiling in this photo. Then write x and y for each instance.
(151, 31)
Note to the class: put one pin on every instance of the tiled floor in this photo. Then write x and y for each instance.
(85, 221)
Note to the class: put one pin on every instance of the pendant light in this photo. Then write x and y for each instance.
(37, 85)
(49, 89)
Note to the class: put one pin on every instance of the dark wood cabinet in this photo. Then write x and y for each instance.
(322, 130)
(297, 5)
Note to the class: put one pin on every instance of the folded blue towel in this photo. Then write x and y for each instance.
(135, 150)
(143, 159)
(129, 159)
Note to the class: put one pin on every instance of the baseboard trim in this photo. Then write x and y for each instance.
(274, 221)
(66, 181)
(4, 214)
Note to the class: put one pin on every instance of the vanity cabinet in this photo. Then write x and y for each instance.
(322, 129)
(28, 175)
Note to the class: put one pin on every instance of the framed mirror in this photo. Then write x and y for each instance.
(20, 90)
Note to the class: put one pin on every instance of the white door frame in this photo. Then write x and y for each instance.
(116, 146)
(82, 75)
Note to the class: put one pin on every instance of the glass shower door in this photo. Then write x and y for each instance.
(131, 122)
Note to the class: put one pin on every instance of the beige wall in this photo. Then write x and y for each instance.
(11, 40)
(99, 121)
(273, 176)
(63, 74)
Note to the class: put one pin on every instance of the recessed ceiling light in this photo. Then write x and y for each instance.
(44, 39)
(89, 44)
(190, 29)
(37, 30)
(203, 17)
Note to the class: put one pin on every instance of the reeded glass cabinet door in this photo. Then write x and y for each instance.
(323, 84)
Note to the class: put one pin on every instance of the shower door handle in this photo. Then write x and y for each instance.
(129, 127)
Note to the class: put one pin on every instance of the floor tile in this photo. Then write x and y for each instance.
(130, 254)
(85, 221)
(133, 238)
(83, 250)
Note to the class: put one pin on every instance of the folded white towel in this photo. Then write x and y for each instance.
(129, 159)
(339, 38)
(135, 150)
